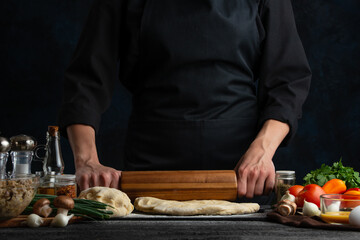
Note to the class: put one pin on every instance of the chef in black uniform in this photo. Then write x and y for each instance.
(216, 84)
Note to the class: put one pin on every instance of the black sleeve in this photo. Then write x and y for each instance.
(90, 78)
(284, 77)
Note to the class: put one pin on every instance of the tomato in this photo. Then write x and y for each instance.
(310, 193)
(334, 186)
(294, 190)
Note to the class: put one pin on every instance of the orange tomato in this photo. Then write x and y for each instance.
(294, 190)
(334, 186)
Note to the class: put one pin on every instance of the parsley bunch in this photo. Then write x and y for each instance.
(337, 170)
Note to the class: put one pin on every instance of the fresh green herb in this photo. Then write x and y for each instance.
(83, 207)
(337, 170)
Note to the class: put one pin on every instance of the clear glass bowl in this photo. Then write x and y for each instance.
(16, 194)
(335, 208)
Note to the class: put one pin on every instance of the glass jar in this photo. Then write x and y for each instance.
(3, 161)
(65, 185)
(47, 185)
(21, 162)
(284, 179)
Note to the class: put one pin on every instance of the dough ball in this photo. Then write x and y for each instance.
(111, 196)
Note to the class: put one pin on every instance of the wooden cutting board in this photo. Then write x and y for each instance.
(19, 221)
(180, 185)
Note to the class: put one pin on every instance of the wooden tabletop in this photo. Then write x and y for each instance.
(257, 228)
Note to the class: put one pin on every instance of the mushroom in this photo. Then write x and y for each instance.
(286, 208)
(63, 204)
(42, 207)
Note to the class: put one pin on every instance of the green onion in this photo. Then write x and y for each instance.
(86, 208)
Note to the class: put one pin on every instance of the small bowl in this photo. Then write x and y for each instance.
(16, 194)
(336, 208)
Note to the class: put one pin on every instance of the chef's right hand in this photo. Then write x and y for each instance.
(89, 171)
(96, 174)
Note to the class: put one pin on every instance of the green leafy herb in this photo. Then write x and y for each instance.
(337, 170)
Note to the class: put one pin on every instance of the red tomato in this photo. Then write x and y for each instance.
(294, 190)
(310, 193)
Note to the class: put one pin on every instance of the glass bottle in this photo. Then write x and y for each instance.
(53, 161)
(284, 179)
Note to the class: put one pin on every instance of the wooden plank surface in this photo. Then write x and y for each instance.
(19, 221)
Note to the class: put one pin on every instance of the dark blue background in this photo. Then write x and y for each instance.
(38, 38)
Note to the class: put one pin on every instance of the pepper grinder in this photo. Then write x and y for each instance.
(22, 147)
(4, 149)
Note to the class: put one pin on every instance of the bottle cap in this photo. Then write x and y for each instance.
(285, 174)
(52, 130)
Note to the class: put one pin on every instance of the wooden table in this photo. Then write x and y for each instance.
(257, 227)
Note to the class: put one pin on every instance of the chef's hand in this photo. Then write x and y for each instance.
(95, 174)
(89, 171)
(255, 170)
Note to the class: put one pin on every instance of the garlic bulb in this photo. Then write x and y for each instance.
(288, 196)
(310, 209)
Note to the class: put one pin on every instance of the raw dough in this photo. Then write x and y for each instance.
(111, 196)
(193, 207)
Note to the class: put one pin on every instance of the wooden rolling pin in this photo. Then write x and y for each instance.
(180, 185)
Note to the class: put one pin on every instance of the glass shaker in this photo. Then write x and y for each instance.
(22, 154)
(4, 149)
(284, 179)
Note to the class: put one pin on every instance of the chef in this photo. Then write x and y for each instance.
(216, 84)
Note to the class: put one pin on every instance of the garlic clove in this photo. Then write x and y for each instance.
(310, 209)
(61, 220)
(34, 220)
(288, 196)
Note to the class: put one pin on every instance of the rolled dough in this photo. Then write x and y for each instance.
(193, 207)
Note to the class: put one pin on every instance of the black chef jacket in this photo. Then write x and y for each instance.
(204, 76)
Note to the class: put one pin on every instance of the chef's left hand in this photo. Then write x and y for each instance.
(255, 170)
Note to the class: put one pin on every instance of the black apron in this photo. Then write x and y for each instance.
(193, 84)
